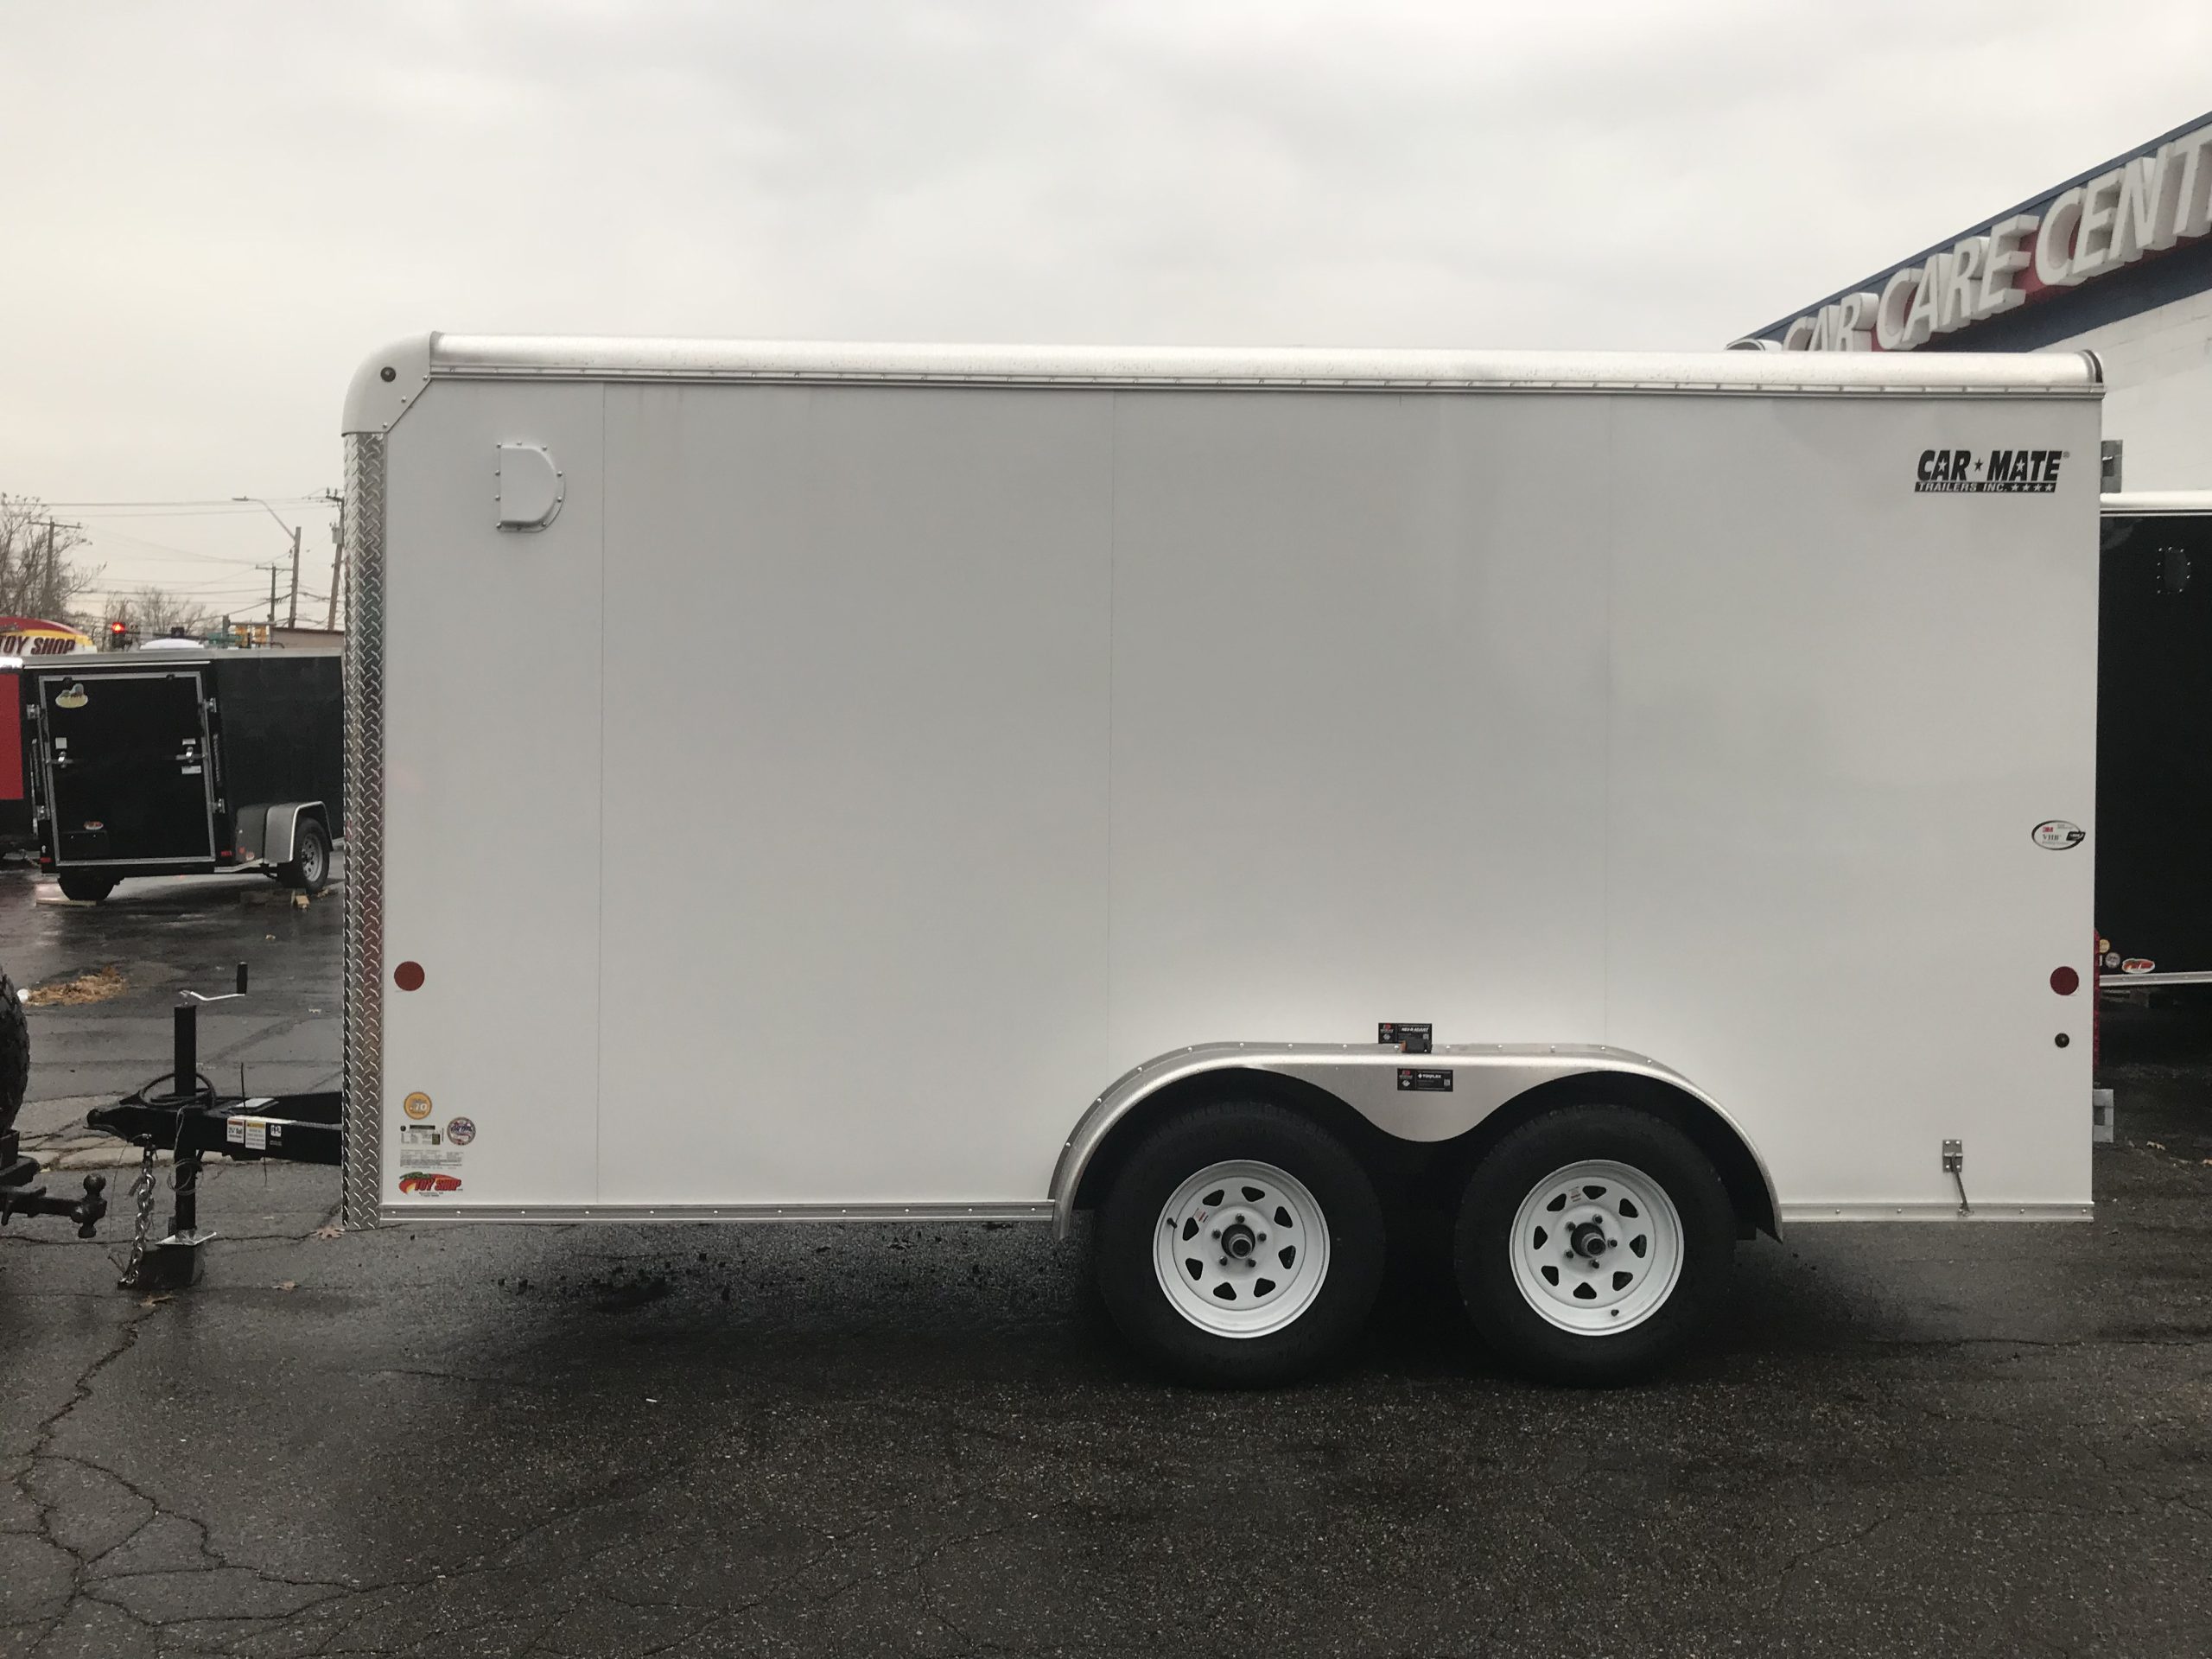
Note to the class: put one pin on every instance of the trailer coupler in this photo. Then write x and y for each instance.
(18, 1197)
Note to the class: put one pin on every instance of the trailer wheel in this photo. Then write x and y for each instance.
(310, 871)
(15, 1053)
(1591, 1244)
(1240, 1246)
(85, 889)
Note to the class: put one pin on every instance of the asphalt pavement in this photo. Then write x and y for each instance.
(681, 1440)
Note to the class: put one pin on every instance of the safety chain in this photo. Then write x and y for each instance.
(143, 1189)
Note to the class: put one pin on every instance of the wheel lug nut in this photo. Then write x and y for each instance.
(1217, 1232)
(1224, 1260)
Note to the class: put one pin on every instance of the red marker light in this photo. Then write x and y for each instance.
(408, 975)
(2065, 980)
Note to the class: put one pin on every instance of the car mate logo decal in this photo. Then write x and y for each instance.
(1988, 472)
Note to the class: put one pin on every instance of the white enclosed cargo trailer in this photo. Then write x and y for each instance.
(1096, 748)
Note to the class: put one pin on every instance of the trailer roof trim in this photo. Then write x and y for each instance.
(2146, 504)
(377, 400)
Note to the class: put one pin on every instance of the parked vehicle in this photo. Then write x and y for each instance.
(1108, 748)
(183, 762)
(2154, 740)
(1253, 796)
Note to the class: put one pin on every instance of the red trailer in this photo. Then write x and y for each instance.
(15, 785)
(22, 637)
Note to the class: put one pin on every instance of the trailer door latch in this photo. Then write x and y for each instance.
(1954, 1164)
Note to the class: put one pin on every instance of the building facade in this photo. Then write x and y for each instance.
(2117, 260)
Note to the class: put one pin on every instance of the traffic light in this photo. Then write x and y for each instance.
(119, 637)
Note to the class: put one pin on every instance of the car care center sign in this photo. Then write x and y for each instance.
(2148, 203)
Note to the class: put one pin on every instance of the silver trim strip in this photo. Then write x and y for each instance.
(2113, 984)
(1485, 1076)
(1943, 1210)
(735, 1212)
(2148, 503)
(603, 358)
(363, 1118)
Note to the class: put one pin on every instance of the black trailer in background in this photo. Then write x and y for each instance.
(165, 762)
(2154, 742)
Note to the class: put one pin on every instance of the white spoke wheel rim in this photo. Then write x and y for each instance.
(1596, 1248)
(1242, 1248)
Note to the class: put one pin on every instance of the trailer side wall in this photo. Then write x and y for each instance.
(1021, 735)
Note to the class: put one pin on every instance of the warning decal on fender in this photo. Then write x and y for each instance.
(1425, 1079)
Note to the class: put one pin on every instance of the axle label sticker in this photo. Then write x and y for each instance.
(1425, 1079)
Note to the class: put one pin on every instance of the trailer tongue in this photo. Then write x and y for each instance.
(189, 1119)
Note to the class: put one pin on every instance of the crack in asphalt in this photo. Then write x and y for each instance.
(1798, 1563)
(22, 1479)
(88, 1583)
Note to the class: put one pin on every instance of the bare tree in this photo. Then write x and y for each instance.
(150, 613)
(37, 575)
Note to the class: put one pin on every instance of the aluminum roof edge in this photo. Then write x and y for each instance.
(2146, 504)
(386, 383)
(374, 403)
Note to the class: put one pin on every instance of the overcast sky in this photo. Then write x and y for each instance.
(216, 210)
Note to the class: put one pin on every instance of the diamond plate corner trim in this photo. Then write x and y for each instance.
(364, 1077)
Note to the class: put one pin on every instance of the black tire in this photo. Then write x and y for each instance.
(1253, 1132)
(1484, 1244)
(15, 1053)
(83, 888)
(310, 871)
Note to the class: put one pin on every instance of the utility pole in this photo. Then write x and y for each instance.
(337, 561)
(48, 600)
(294, 533)
(292, 611)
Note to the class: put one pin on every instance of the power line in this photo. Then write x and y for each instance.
(166, 547)
(223, 502)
